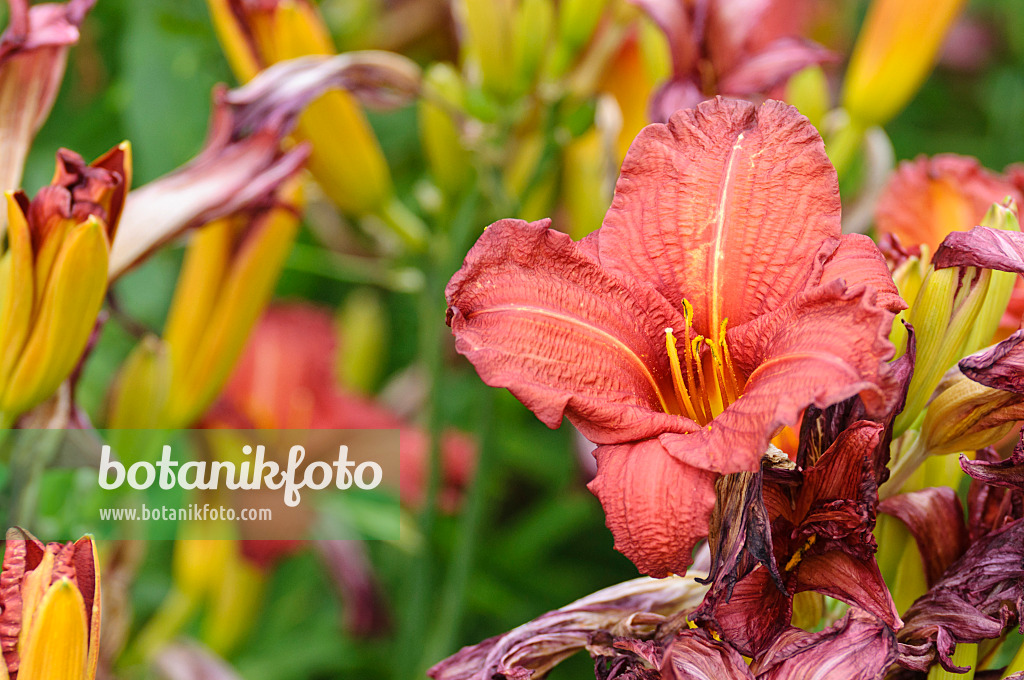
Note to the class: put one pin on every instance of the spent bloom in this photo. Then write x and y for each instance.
(33, 55)
(49, 628)
(718, 300)
(54, 274)
(733, 48)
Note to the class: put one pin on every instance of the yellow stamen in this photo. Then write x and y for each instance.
(799, 554)
(702, 392)
(730, 368)
(703, 384)
(677, 375)
(690, 378)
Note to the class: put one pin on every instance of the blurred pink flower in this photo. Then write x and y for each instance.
(286, 379)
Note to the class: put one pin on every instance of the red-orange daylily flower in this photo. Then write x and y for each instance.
(927, 199)
(286, 379)
(717, 301)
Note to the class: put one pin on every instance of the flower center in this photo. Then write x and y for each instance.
(703, 376)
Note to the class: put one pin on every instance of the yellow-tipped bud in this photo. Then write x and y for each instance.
(586, 185)
(895, 51)
(229, 273)
(53, 276)
(346, 159)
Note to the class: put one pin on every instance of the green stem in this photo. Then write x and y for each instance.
(908, 462)
(352, 269)
(964, 655)
(421, 582)
(454, 596)
(174, 613)
(844, 145)
(405, 224)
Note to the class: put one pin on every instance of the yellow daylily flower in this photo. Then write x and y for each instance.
(54, 274)
(54, 610)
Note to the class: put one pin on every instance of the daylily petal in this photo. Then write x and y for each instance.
(656, 507)
(740, 534)
(753, 616)
(975, 600)
(928, 198)
(1000, 366)
(692, 655)
(857, 647)
(992, 502)
(534, 313)
(729, 206)
(858, 262)
(982, 247)
(773, 66)
(535, 647)
(56, 647)
(845, 578)
(823, 347)
(936, 520)
(1007, 473)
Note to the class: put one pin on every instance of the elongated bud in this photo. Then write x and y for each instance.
(361, 351)
(535, 20)
(229, 273)
(443, 97)
(967, 416)
(956, 312)
(53, 275)
(489, 27)
(943, 316)
(1001, 284)
(346, 158)
(909, 276)
(586, 182)
(895, 51)
(139, 397)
